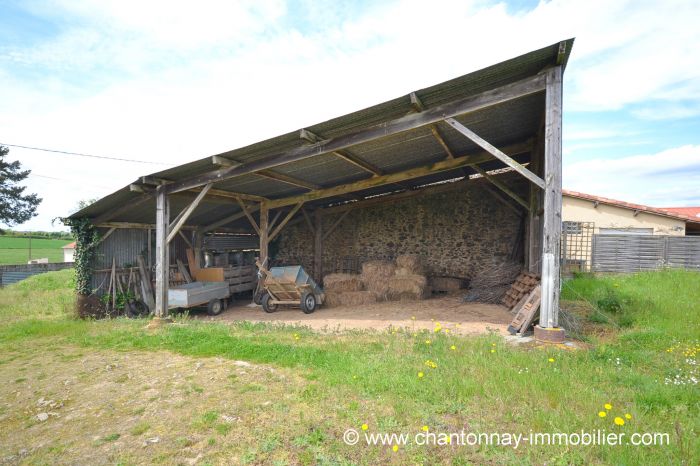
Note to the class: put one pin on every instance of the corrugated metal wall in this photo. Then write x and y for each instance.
(10, 274)
(124, 245)
(633, 253)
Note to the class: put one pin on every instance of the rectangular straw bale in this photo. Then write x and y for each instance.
(342, 282)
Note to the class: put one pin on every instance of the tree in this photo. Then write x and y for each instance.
(15, 206)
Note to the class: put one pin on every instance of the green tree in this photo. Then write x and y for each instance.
(15, 206)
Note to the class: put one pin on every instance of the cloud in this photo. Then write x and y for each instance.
(667, 178)
(173, 81)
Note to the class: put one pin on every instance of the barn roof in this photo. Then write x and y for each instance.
(507, 124)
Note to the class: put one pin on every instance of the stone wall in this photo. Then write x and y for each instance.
(458, 233)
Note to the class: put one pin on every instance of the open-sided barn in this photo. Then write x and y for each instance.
(465, 174)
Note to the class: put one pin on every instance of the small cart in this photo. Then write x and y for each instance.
(292, 286)
(212, 294)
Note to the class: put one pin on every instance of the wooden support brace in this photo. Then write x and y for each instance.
(335, 224)
(106, 235)
(185, 214)
(284, 222)
(184, 238)
(502, 187)
(252, 221)
(495, 152)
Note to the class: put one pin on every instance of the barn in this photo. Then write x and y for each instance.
(465, 174)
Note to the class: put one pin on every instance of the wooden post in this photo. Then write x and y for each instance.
(551, 232)
(318, 245)
(162, 253)
(264, 234)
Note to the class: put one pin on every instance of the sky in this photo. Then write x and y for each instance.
(167, 82)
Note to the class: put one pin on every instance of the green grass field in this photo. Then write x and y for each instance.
(15, 250)
(303, 389)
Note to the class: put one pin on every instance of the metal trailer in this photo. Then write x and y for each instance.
(212, 294)
(290, 285)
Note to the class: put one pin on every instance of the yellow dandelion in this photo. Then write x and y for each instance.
(453, 347)
(608, 406)
(427, 342)
(420, 375)
(395, 448)
(425, 428)
(493, 344)
(602, 414)
(413, 317)
(354, 377)
(551, 359)
(365, 427)
(493, 350)
(437, 329)
(619, 421)
(628, 416)
(447, 330)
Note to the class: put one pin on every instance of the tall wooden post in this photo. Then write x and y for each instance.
(551, 231)
(264, 233)
(162, 252)
(318, 245)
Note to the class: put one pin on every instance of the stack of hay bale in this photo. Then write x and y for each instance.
(522, 287)
(379, 281)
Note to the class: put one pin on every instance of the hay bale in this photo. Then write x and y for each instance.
(409, 264)
(349, 298)
(342, 282)
(446, 284)
(375, 276)
(407, 287)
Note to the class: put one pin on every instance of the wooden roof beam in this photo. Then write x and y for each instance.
(524, 87)
(269, 174)
(313, 138)
(443, 165)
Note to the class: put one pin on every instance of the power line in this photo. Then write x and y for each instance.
(82, 155)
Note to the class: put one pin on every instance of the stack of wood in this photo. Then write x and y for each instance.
(522, 287)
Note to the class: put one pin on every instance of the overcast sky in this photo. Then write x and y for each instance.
(172, 81)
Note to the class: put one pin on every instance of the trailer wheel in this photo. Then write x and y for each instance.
(215, 307)
(267, 305)
(257, 297)
(308, 302)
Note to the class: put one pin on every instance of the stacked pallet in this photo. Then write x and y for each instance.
(522, 287)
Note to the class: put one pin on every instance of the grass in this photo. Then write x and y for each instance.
(640, 366)
(15, 250)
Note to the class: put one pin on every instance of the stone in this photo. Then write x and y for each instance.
(42, 416)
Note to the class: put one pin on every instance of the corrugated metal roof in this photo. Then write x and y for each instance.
(503, 124)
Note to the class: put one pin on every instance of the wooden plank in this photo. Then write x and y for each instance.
(551, 231)
(284, 222)
(246, 212)
(335, 224)
(313, 138)
(318, 245)
(526, 312)
(438, 137)
(146, 286)
(263, 232)
(162, 254)
(497, 183)
(184, 238)
(183, 271)
(273, 222)
(376, 181)
(495, 152)
(185, 214)
(308, 220)
(469, 104)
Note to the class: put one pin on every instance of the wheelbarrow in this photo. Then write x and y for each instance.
(289, 285)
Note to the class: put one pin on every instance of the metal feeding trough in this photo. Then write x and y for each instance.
(212, 294)
(290, 285)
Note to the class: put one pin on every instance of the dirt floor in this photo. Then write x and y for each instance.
(449, 311)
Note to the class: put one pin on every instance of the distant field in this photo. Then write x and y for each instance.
(14, 250)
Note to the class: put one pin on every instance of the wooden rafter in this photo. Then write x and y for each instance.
(438, 137)
(443, 165)
(313, 138)
(269, 174)
(469, 104)
(107, 216)
(228, 219)
(495, 152)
